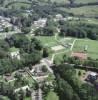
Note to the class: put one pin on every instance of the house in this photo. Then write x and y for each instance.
(22, 88)
(40, 23)
(59, 17)
(92, 76)
(14, 53)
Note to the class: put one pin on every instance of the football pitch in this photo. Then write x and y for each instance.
(92, 47)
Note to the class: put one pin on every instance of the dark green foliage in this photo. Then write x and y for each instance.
(29, 53)
(80, 30)
(68, 88)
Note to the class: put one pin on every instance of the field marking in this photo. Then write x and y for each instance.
(73, 44)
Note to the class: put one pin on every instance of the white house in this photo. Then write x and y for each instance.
(14, 53)
(40, 23)
(22, 88)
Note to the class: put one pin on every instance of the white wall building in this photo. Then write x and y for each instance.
(40, 23)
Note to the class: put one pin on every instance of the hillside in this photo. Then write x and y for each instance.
(88, 10)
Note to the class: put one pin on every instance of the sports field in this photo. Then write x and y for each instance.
(92, 50)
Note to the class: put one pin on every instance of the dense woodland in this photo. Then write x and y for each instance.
(68, 86)
(29, 52)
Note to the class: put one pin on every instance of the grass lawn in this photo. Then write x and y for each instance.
(77, 1)
(85, 10)
(27, 98)
(59, 57)
(18, 5)
(52, 96)
(13, 49)
(80, 75)
(47, 40)
(4, 98)
(92, 47)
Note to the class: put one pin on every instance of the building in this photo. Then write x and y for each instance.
(22, 88)
(59, 17)
(92, 77)
(40, 23)
(14, 53)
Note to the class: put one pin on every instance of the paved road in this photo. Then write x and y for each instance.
(40, 94)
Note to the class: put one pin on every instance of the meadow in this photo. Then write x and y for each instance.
(92, 50)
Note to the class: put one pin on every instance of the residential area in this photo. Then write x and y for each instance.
(48, 50)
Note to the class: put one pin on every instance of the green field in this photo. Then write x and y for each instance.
(77, 1)
(19, 5)
(52, 96)
(48, 41)
(85, 10)
(92, 47)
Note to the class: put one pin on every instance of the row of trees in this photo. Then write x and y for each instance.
(80, 30)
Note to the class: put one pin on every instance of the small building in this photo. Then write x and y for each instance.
(22, 88)
(40, 23)
(14, 53)
(59, 17)
(92, 76)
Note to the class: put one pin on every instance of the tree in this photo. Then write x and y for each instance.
(45, 52)
(71, 1)
(2, 2)
(26, 30)
(64, 90)
(28, 93)
(44, 69)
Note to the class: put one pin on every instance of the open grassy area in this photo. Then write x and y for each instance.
(52, 96)
(77, 1)
(85, 10)
(47, 40)
(27, 98)
(92, 47)
(80, 75)
(19, 5)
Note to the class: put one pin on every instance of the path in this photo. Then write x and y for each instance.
(73, 44)
(53, 56)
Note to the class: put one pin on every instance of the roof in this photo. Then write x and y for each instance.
(93, 74)
(22, 88)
